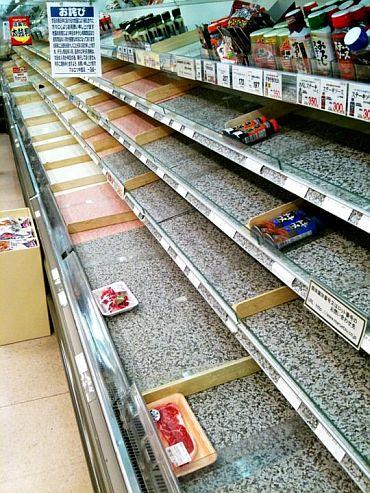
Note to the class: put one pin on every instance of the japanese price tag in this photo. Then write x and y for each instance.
(335, 313)
(239, 77)
(131, 55)
(273, 85)
(20, 74)
(254, 81)
(247, 79)
(74, 38)
(167, 62)
(334, 96)
(185, 67)
(178, 454)
(223, 75)
(151, 60)
(308, 91)
(198, 70)
(359, 101)
(122, 53)
(209, 72)
(140, 54)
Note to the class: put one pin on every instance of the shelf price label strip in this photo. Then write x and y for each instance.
(329, 204)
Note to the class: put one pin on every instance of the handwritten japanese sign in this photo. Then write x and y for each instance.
(74, 40)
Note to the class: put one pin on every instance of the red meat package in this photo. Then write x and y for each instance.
(186, 444)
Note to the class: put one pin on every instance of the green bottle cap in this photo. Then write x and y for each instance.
(317, 20)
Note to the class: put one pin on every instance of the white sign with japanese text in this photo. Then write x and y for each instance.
(223, 75)
(239, 77)
(255, 81)
(359, 101)
(20, 75)
(308, 91)
(185, 67)
(335, 313)
(74, 39)
(198, 70)
(248, 79)
(334, 96)
(209, 72)
(273, 84)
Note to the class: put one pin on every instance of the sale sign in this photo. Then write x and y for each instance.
(20, 74)
(20, 30)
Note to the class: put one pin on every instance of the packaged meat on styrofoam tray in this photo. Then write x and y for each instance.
(114, 298)
(185, 442)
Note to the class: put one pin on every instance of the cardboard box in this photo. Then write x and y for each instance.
(23, 308)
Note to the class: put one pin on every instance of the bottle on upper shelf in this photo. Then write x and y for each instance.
(178, 21)
(322, 42)
(342, 24)
(300, 40)
(357, 41)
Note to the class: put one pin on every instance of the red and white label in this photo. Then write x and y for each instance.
(178, 454)
(20, 74)
(334, 96)
(359, 101)
(309, 91)
(273, 84)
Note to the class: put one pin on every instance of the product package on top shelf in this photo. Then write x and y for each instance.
(326, 40)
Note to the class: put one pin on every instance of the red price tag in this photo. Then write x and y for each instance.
(313, 102)
(334, 96)
(308, 90)
(359, 101)
(273, 84)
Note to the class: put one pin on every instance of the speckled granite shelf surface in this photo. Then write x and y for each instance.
(335, 155)
(333, 374)
(209, 107)
(339, 262)
(179, 331)
(304, 146)
(234, 274)
(250, 424)
(243, 195)
(264, 454)
(162, 200)
(125, 165)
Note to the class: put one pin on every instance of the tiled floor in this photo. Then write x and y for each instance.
(40, 447)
